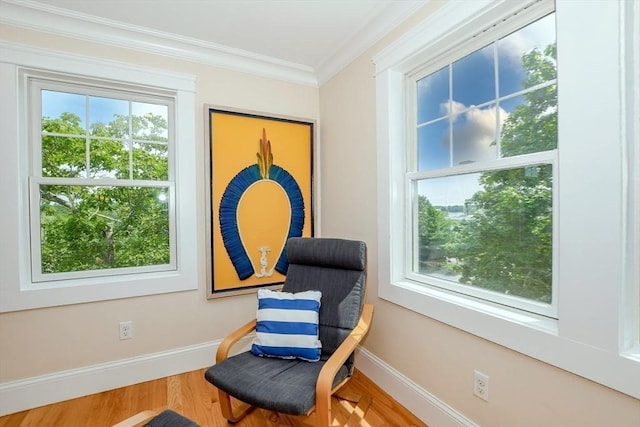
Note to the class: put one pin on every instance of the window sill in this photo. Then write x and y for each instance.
(480, 308)
(96, 289)
(530, 334)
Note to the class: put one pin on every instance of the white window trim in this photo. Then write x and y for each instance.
(596, 322)
(63, 82)
(630, 90)
(17, 292)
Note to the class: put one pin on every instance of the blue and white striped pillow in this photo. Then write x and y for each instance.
(287, 325)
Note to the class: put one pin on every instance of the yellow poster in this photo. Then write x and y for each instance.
(261, 194)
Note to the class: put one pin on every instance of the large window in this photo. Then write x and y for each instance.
(508, 185)
(98, 180)
(102, 181)
(481, 174)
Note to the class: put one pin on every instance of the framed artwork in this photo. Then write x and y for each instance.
(260, 193)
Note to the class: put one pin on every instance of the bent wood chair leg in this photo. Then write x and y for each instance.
(227, 409)
(323, 410)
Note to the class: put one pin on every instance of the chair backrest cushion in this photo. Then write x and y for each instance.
(337, 268)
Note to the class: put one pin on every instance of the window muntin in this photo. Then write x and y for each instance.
(480, 225)
(88, 136)
(124, 139)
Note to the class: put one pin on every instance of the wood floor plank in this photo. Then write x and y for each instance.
(359, 412)
(359, 403)
(174, 394)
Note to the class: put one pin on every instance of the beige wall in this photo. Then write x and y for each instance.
(524, 392)
(439, 358)
(37, 342)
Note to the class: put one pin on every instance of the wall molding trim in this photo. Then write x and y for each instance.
(66, 23)
(416, 399)
(32, 392)
(61, 22)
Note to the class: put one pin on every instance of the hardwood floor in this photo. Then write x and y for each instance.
(360, 403)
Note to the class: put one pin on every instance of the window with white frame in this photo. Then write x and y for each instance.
(101, 180)
(98, 180)
(507, 200)
(482, 150)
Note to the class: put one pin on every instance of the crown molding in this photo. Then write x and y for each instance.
(54, 20)
(365, 38)
(68, 63)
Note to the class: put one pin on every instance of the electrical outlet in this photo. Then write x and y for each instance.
(126, 330)
(481, 385)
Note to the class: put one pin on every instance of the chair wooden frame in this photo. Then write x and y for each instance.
(324, 389)
(139, 419)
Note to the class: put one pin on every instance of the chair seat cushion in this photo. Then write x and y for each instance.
(168, 418)
(287, 325)
(282, 385)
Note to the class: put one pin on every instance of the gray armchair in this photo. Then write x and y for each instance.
(337, 268)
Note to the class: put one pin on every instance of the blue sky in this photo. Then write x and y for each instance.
(463, 127)
(99, 109)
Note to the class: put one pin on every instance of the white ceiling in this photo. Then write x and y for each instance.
(316, 36)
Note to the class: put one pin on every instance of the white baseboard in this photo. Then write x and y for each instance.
(30, 393)
(416, 399)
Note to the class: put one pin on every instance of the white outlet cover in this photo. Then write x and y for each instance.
(481, 385)
(126, 330)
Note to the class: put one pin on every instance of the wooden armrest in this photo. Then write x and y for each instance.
(232, 338)
(337, 359)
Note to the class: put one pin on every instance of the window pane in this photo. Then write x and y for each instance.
(150, 121)
(490, 230)
(109, 159)
(531, 124)
(91, 228)
(110, 152)
(433, 146)
(63, 114)
(527, 57)
(441, 206)
(63, 157)
(474, 78)
(69, 108)
(150, 161)
(433, 95)
(474, 135)
(114, 113)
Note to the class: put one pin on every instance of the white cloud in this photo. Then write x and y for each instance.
(473, 138)
(452, 109)
(474, 132)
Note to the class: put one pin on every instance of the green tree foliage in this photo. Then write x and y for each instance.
(533, 127)
(504, 243)
(434, 232)
(88, 227)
